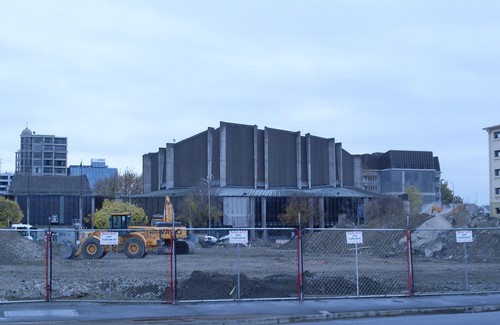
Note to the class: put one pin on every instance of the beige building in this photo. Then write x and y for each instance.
(494, 148)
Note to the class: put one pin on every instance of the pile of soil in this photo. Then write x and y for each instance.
(16, 249)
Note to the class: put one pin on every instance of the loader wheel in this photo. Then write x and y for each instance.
(92, 248)
(182, 247)
(135, 248)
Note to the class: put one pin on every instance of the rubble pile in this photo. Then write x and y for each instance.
(14, 248)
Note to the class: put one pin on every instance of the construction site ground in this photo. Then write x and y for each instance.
(265, 270)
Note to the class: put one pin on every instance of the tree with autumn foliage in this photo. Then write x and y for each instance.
(100, 219)
(299, 207)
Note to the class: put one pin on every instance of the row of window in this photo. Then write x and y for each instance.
(47, 140)
(48, 155)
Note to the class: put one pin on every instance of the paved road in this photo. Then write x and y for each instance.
(263, 312)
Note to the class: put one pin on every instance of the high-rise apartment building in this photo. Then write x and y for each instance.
(41, 155)
(494, 167)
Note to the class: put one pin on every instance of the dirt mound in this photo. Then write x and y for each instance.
(15, 249)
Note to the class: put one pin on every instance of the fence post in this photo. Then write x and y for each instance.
(48, 265)
(409, 261)
(300, 266)
(173, 279)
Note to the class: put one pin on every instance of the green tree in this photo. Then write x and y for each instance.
(10, 212)
(385, 210)
(446, 193)
(415, 199)
(100, 219)
(122, 185)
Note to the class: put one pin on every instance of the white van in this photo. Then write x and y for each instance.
(28, 231)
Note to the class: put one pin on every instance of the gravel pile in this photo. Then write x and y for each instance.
(15, 249)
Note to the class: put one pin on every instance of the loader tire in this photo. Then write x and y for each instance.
(135, 248)
(92, 249)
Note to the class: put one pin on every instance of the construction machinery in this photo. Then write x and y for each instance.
(435, 208)
(137, 241)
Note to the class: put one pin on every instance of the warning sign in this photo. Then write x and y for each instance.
(464, 236)
(354, 237)
(238, 237)
(109, 238)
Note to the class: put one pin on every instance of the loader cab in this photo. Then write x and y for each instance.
(119, 221)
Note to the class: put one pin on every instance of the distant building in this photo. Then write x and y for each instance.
(5, 180)
(95, 172)
(391, 173)
(41, 155)
(253, 174)
(494, 167)
(41, 197)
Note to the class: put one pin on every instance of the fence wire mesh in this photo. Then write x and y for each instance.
(263, 268)
(374, 264)
(456, 260)
(273, 263)
(108, 275)
(23, 265)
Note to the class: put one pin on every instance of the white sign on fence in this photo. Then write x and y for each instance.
(238, 237)
(354, 237)
(464, 236)
(109, 238)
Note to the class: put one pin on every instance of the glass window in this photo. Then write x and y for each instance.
(47, 147)
(497, 153)
(496, 135)
(48, 155)
(60, 156)
(497, 172)
(60, 141)
(48, 140)
(497, 191)
(60, 148)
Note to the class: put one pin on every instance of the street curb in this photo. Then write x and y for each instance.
(322, 316)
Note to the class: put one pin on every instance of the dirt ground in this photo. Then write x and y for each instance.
(263, 270)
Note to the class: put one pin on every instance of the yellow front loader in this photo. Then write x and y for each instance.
(137, 241)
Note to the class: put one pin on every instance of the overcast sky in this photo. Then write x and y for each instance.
(121, 78)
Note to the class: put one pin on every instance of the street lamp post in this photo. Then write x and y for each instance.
(208, 180)
(452, 193)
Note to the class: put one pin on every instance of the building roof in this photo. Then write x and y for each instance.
(57, 185)
(402, 159)
(491, 128)
(274, 192)
(26, 132)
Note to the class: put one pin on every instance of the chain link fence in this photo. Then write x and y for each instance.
(227, 264)
(456, 261)
(239, 264)
(23, 256)
(347, 262)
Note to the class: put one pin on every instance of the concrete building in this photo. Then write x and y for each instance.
(253, 173)
(391, 173)
(41, 155)
(98, 170)
(67, 198)
(5, 180)
(494, 167)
